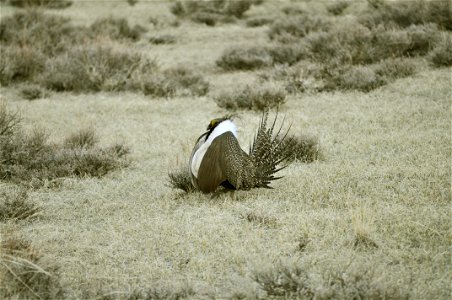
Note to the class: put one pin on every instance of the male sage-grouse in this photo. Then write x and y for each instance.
(217, 158)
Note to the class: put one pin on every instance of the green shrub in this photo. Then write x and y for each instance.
(288, 29)
(116, 29)
(58, 4)
(258, 97)
(29, 159)
(441, 56)
(15, 205)
(244, 58)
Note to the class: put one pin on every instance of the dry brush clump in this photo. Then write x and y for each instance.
(212, 12)
(441, 55)
(29, 159)
(304, 280)
(255, 97)
(26, 273)
(350, 55)
(407, 13)
(304, 148)
(116, 29)
(181, 180)
(15, 205)
(56, 4)
(47, 50)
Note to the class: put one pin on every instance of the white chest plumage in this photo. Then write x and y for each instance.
(198, 156)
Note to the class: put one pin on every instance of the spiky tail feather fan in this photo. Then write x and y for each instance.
(270, 152)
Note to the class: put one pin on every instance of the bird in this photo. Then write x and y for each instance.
(218, 160)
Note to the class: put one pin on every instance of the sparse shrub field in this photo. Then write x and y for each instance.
(102, 102)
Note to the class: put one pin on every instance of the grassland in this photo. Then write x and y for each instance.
(369, 220)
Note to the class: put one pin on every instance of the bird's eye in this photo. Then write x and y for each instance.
(213, 123)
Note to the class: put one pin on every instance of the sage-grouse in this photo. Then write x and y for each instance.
(217, 158)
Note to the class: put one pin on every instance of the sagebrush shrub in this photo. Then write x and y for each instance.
(257, 97)
(407, 13)
(29, 159)
(303, 148)
(20, 63)
(245, 58)
(40, 32)
(441, 56)
(258, 21)
(181, 180)
(337, 8)
(187, 81)
(162, 39)
(287, 29)
(234, 8)
(32, 92)
(58, 4)
(393, 68)
(116, 29)
(15, 205)
(95, 67)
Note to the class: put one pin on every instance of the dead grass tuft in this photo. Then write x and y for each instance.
(32, 92)
(256, 97)
(15, 205)
(85, 138)
(25, 273)
(181, 180)
(303, 148)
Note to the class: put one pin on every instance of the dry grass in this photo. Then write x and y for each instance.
(385, 178)
(25, 272)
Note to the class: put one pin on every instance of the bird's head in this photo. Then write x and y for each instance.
(214, 122)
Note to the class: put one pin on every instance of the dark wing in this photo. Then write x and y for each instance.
(225, 160)
(211, 172)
